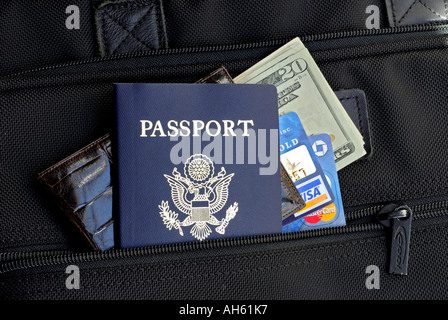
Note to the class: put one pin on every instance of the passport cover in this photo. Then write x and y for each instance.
(177, 183)
(292, 201)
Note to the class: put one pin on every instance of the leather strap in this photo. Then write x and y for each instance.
(410, 12)
(131, 25)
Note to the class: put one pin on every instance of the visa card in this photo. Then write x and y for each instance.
(302, 165)
(331, 215)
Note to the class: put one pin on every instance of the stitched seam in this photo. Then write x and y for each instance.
(158, 15)
(144, 266)
(370, 55)
(47, 241)
(34, 228)
(159, 33)
(104, 22)
(432, 10)
(229, 273)
(103, 35)
(361, 127)
(394, 16)
(114, 271)
(391, 197)
(127, 5)
(397, 183)
(139, 25)
(162, 17)
(406, 13)
(201, 276)
(96, 144)
(130, 32)
(359, 112)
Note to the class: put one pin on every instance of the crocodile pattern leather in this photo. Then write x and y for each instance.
(82, 186)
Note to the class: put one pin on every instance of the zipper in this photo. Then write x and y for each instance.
(440, 28)
(11, 261)
(398, 219)
(384, 218)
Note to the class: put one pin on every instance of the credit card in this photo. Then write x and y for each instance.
(302, 165)
(331, 215)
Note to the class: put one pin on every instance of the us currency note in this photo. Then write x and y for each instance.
(302, 88)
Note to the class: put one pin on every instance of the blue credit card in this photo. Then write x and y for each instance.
(302, 165)
(331, 215)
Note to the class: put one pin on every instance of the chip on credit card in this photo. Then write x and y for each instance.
(302, 165)
(331, 215)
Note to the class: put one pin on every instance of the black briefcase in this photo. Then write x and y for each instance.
(57, 96)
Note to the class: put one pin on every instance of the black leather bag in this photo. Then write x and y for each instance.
(56, 96)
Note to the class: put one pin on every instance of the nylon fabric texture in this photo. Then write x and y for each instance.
(34, 32)
(60, 129)
(333, 270)
(192, 24)
(68, 101)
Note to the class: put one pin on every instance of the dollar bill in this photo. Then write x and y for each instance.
(302, 88)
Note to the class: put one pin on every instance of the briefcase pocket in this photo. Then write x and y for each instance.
(49, 113)
(288, 266)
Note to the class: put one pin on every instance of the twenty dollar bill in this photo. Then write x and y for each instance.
(302, 88)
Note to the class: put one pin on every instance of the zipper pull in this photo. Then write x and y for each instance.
(398, 218)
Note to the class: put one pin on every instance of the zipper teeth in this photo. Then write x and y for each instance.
(362, 213)
(254, 45)
(21, 262)
(424, 211)
(18, 261)
(431, 210)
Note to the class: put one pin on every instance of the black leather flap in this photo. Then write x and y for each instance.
(128, 26)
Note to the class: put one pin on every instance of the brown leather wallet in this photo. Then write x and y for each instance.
(220, 75)
(82, 185)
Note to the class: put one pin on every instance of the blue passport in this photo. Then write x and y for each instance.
(196, 162)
